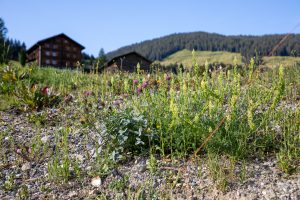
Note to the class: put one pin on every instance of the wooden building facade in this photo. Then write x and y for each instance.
(128, 62)
(58, 51)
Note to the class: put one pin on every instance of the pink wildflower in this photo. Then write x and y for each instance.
(135, 82)
(88, 93)
(45, 91)
(145, 84)
(168, 77)
(139, 90)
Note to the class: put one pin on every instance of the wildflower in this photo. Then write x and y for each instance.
(145, 84)
(168, 77)
(135, 82)
(88, 93)
(45, 90)
(148, 130)
(139, 90)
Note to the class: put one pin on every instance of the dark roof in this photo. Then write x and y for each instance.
(49, 38)
(111, 61)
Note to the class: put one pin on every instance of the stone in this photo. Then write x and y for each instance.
(96, 182)
(72, 194)
(142, 168)
(79, 157)
(26, 166)
(45, 139)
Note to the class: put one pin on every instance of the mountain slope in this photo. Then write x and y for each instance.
(248, 46)
(185, 57)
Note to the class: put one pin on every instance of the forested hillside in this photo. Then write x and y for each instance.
(248, 46)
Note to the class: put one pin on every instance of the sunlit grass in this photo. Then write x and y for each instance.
(185, 57)
(212, 57)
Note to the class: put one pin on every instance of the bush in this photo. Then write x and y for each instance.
(126, 132)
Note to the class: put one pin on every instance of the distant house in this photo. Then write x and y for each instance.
(128, 62)
(58, 51)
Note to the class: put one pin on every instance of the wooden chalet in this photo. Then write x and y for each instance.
(128, 62)
(58, 51)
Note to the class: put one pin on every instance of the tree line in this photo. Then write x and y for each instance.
(10, 49)
(249, 46)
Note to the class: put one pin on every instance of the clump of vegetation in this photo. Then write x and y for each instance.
(126, 131)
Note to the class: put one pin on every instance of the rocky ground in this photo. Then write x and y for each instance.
(26, 175)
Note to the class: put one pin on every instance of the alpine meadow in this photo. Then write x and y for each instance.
(192, 115)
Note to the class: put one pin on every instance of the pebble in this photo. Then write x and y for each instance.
(79, 157)
(96, 182)
(45, 139)
(72, 194)
(26, 166)
(142, 168)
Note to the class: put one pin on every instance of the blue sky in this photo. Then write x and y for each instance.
(112, 24)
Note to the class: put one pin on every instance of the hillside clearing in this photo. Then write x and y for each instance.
(213, 57)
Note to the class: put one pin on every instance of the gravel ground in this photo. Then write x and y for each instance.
(176, 179)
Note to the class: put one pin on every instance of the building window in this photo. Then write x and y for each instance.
(54, 53)
(47, 45)
(74, 56)
(68, 48)
(66, 41)
(47, 53)
(74, 48)
(55, 46)
(54, 62)
(47, 61)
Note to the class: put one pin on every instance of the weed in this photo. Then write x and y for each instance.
(119, 184)
(9, 183)
(23, 193)
(217, 171)
(61, 168)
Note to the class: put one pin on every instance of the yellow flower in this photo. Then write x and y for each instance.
(148, 130)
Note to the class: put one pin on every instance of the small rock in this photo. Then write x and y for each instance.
(72, 194)
(26, 166)
(45, 139)
(96, 182)
(18, 175)
(269, 194)
(79, 157)
(142, 168)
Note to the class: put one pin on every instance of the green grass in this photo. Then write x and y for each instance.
(185, 57)
(281, 60)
